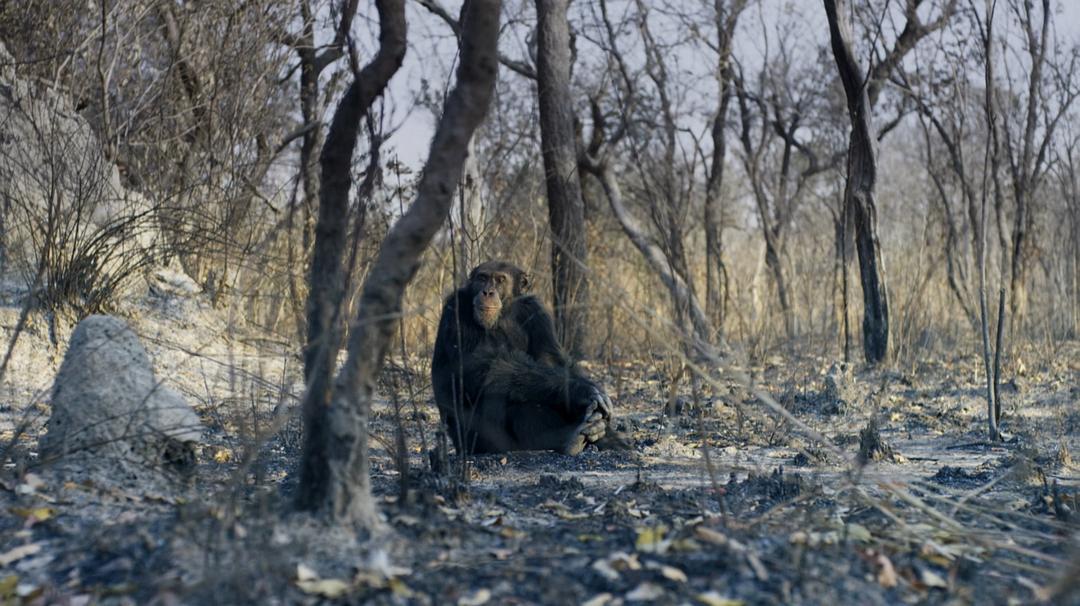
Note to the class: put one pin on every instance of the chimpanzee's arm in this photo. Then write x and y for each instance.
(451, 362)
(535, 320)
(557, 372)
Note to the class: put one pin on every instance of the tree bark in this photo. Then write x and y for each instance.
(337, 466)
(715, 272)
(327, 278)
(859, 196)
(1027, 162)
(566, 209)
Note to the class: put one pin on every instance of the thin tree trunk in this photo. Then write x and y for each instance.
(859, 194)
(566, 209)
(989, 166)
(772, 260)
(470, 216)
(327, 278)
(339, 467)
(715, 271)
(997, 354)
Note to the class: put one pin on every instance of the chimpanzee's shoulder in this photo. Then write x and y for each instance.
(527, 308)
(528, 304)
(455, 306)
(453, 299)
(528, 300)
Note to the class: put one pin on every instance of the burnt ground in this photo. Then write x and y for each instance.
(718, 502)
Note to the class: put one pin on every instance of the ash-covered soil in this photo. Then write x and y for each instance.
(720, 501)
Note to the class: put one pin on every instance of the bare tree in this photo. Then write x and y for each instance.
(1039, 102)
(726, 18)
(320, 478)
(862, 88)
(776, 109)
(660, 172)
(566, 209)
(313, 61)
(667, 193)
(861, 181)
(1068, 174)
(334, 474)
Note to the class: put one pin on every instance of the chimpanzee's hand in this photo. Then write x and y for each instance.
(591, 401)
(600, 399)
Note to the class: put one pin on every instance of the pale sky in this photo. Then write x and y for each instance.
(432, 52)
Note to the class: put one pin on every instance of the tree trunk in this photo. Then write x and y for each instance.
(335, 476)
(682, 296)
(772, 260)
(859, 189)
(470, 217)
(327, 278)
(313, 139)
(715, 271)
(566, 209)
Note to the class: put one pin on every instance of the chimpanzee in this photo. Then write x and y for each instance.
(501, 380)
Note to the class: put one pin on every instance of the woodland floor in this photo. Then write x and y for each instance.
(781, 518)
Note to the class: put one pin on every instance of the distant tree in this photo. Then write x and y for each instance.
(313, 62)
(862, 89)
(566, 209)
(725, 20)
(859, 195)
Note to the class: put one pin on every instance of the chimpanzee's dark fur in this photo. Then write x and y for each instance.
(500, 378)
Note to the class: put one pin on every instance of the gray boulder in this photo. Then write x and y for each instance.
(111, 414)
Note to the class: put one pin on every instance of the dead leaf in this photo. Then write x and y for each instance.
(860, 533)
(8, 584)
(327, 588)
(669, 572)
(477, 598)
(932, 579)
(757, 566)
(406, 520)
(710, 536)
(30, 484)
(222, 455)
(563, 511)
(886, 576)
(646, 592)
(370, 578)
(650, 539)
(511, 533)
(399, 588)
(308, 581)
(686, 545)
(599, 599)
(606, 570)
(305, 573)
(713, 598)
(624, 561)
(18, 553)
(501, 554)
(33, 515)
(1042, 594)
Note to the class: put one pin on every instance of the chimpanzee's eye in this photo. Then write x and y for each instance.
(500, 279)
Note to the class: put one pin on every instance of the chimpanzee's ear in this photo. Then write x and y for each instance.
(524, 282)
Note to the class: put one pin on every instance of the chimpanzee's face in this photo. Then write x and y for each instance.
(493, 285)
